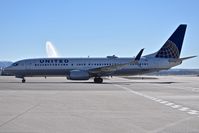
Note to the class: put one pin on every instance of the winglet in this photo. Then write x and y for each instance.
(137, 58)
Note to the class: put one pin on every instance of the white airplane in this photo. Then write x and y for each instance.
(85, 68)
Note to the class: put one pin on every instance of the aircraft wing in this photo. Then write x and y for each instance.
(114, 67)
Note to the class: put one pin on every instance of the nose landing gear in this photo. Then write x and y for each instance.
(23, 80)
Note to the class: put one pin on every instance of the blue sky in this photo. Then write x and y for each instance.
(81, 28)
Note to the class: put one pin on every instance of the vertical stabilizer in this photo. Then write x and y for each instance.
(172, 47)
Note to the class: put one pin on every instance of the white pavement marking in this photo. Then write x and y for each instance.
(163, 102)
(176, 106)
(184, 109)
(153, 98)
(193, 112)
(169, 104)
(158, 100)
(166, 103)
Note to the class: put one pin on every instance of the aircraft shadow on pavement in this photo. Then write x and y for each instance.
(75, 82)
(74, 86)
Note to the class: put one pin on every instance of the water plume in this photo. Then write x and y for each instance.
(51, 50)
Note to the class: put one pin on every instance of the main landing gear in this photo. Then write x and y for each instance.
(23, 80)
(98, 80)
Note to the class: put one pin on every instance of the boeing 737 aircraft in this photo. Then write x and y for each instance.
(85, 68)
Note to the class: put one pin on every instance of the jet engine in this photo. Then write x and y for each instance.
(78, 75)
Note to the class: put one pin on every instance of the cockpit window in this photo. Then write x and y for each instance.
(15, 64)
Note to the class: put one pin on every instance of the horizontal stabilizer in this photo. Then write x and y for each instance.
(181, 59)
(185, 58)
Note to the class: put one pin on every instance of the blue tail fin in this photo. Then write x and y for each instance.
(172, 47)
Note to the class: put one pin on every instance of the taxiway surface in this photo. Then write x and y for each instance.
(119, 105)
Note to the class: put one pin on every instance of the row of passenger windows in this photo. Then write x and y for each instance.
(51, 64)
(95, 64)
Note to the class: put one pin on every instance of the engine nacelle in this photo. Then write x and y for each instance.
(78, 75)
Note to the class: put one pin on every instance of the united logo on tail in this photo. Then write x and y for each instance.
(173, 46)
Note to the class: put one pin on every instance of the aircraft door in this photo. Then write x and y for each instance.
(28, 65)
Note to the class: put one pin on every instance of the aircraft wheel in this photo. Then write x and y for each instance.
(98, 80)
(23, 81)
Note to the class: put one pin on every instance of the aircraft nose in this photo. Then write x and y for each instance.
(8, 71)
(1, 71)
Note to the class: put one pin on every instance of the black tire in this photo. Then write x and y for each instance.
(98, 80)
(23, 81)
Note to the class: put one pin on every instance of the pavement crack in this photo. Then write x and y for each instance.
(170, 125)
(17, 116)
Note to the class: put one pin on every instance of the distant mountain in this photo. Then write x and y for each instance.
(177, 72)
(4, 64)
